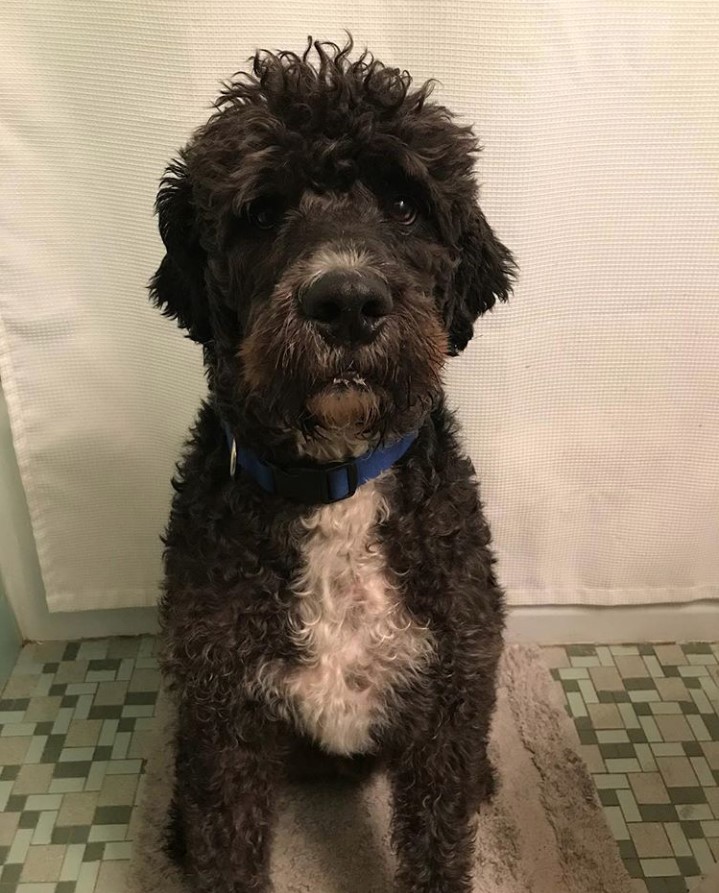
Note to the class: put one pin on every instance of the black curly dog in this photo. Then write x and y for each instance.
(330, 603)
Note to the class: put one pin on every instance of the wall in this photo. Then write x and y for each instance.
(10, 640)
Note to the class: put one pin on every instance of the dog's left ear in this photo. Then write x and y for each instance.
(484, 275)
(178, 286)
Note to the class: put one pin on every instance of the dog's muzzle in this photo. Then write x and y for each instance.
(348, 307)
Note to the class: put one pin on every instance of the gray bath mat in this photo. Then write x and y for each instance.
(545, 832)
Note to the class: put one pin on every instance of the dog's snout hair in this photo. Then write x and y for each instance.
(333, 258)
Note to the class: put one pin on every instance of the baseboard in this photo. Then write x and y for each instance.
(611, 625)
(46, 627)
(540, 625)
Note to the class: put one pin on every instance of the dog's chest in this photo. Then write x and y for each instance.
(355, 639)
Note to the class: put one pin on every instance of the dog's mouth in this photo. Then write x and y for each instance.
(347, 400)
(349, 380)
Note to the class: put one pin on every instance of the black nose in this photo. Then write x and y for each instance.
(347, 305)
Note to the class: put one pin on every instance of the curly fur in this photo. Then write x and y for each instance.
(367, 631)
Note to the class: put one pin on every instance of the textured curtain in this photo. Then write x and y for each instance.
(589, 403)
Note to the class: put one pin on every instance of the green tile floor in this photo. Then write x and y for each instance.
(648, 720)
(75, 723)
(76, 720)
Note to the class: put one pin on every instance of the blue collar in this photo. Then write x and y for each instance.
(316, 484)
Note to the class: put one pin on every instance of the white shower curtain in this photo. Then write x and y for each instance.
(589, 403)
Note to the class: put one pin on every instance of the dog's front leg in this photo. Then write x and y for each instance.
(438, 782)
(433, 824)
(223, 809)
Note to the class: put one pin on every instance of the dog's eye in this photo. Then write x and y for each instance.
(264, 213)
(403, 210)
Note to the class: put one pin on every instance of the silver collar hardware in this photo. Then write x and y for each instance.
(233, 458)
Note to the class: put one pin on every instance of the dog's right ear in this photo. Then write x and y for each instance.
(178, 286)
(484, 275)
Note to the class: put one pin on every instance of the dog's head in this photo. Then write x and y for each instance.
(324, 243)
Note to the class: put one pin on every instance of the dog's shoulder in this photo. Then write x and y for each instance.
(436, 536)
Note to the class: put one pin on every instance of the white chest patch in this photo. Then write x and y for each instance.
(356, 640)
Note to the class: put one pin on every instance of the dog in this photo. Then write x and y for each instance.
(330, 604)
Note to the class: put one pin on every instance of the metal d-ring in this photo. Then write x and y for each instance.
(233, 458)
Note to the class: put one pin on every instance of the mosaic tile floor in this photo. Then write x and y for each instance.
(648, 720)
(76, 720)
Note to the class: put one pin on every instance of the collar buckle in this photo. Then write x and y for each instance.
(310, 484)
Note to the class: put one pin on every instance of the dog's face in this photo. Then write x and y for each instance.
(325, 244)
